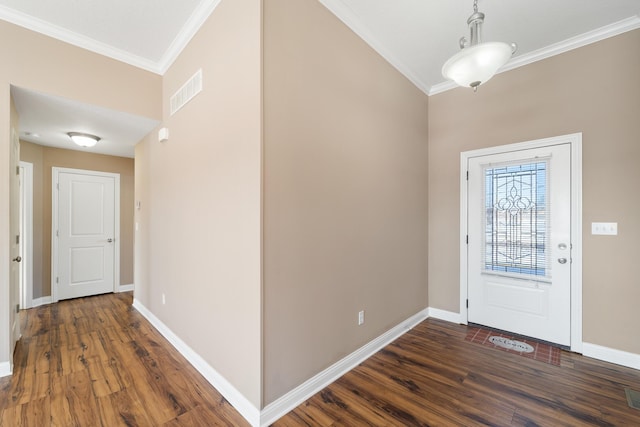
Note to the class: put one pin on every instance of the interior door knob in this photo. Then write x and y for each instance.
(109, 240)
(562, 260)
(18, 258)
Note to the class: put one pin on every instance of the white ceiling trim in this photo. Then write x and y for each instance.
(350, 19)
(191, 27)
(594, 36)
(56, 32)
(590, 37)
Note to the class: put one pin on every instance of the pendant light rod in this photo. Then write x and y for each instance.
(474, 22)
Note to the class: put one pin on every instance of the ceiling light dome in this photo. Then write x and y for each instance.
(477, 62)
(84, 139)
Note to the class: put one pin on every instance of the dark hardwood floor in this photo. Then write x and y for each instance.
(431, 376)
(97, 362)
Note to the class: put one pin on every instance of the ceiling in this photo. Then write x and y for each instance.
(416, 36)
(46, 120)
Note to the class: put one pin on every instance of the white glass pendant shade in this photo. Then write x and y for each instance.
(475, 65)
(83, 139)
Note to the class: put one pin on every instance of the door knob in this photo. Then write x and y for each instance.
(109, 240)
(18, 258)
(562, 260)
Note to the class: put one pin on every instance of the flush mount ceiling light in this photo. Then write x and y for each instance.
(84, 139)
(477, 62)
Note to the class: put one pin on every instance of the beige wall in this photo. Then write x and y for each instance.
(200, 193)
(593, 90)
(99, 81)
(345, 194)
(44, 159)
(356, 203)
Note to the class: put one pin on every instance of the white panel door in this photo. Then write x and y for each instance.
(519, 250)
(85, 235)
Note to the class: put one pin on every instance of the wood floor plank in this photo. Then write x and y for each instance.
(339, 405)
(33, 413)
(308, 415)
(452, 404)
(122, 408)
(72, 401)
(202, 417)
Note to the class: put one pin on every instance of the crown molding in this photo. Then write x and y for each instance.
(442, 87)
(350, 19)
(585, 39)
(39, 26)
(190, 28)
(599, 34)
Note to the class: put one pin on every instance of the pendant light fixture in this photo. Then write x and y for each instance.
(84, 139)
(477, 62)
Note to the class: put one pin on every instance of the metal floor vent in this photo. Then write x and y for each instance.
(633, 397)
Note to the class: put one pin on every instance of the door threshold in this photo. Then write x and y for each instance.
(519, 336)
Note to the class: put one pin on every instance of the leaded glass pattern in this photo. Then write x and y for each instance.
(516, 219)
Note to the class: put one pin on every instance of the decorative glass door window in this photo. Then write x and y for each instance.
(516, 207)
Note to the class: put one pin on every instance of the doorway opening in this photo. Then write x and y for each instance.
(521, 241)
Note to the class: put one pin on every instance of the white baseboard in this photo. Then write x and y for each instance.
(5, 369)
(447, 316)
(619, 357)
(37, 302)
(126, 288)
(239, 402)
(298, 395)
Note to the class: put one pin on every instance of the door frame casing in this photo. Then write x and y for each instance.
(26, 233)
(575, 142)
(55, 171)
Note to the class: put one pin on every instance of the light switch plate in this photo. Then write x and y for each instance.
(604, 228)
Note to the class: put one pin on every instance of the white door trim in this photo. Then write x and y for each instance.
(575, 140)
(26, 234)
(54, 225)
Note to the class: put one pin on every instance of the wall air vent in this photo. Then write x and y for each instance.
(191, 88)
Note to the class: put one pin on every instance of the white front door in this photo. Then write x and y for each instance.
(85, 237)
(519, 242)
